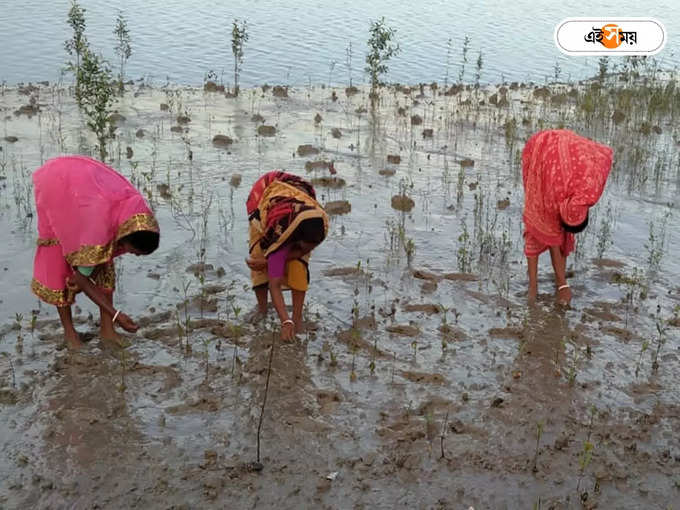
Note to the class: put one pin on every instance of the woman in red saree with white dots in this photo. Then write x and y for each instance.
(564, 174)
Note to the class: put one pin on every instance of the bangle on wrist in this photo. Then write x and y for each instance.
(287, 321)
(565, 286)
(115, 316)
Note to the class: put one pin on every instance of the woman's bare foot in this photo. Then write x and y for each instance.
(110, 335)
(73, 340)
(532, 295)
(564, 296)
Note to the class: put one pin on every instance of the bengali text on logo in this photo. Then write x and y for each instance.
(610, 36)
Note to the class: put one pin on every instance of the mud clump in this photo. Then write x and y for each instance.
(428, 133)
(461, 277)
(279, 91)
(387, 172)
(428, 308)
(177, 129)
(140, 133)
(542, 93)
(183, 120)
(503, 204)
(618, 117)
(222, 141)
(329, 182)
(266, 130)
(428, 287)
(423, 377)
(393, 159)
(257, 118)
(11, 139)
(425, 275)
(336, 133)
(338, 207)
(402, 203)
(129, 152)
(467, 163)
(211, 86)
(307, 150)
(29, 110)
(164, 191)
(199, 268)
(416, 120)
(403, 330)
(343, 271)
(165, 107)
(318, 118)
(235, 180)
(116, 118)
(351, 91)
(317, 165)
(517, 333)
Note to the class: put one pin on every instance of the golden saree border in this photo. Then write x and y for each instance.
(47, 242)
(51, 296)
(95, 254)
(136, 223)
(279, 188)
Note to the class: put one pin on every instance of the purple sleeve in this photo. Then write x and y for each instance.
(276, 262)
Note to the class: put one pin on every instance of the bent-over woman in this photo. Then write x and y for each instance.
(564, 174)
(285, 224)
(88, 214)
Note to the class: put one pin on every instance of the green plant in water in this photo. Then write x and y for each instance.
(643, 349)
(77, 45)
(539, 433)
(586, 454)
(236, 334)
(605, 236)
(122, 357)
(480, 64)
(463, 254)
(661, 328)
(11, 367)
(123, 47)
(380, 50)
(239, 37)
(96, 95)
(466, 48)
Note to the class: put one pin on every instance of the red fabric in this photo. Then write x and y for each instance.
(281, 210)
(564, 175)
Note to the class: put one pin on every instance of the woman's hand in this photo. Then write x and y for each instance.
(256, 264)
(126, 323)
(287, 331)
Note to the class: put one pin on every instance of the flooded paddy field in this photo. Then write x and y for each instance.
(423, 379)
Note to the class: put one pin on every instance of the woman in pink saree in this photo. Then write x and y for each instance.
(87, 215)
(564, 176)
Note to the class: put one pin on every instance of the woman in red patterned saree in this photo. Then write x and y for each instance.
(564, 174)
(285, 224)
(87, 215)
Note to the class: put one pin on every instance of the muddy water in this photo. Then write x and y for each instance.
(181, 41)
(364, 395)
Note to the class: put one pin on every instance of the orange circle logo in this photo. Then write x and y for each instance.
(611, 36)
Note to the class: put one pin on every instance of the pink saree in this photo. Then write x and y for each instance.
(84, 207)
(564, 175)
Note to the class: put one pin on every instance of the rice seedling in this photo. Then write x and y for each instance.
(123, 47)
(586, 455)
(76, 46)
(539, 434)
(381, 49)
(239, 37)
